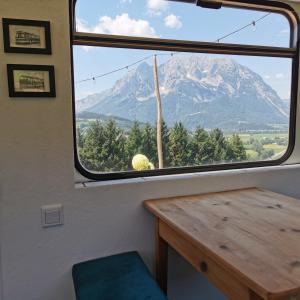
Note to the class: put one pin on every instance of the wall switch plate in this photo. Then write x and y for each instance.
(52, 215)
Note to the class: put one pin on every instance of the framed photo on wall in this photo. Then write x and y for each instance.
(31, 81)
(26, 36)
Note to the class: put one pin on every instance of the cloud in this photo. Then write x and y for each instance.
(126, 1)
(279, 76)
(173, 21)
(120, 25)
(274, 76)
(284, 32)
(82, 25)
(156, 6)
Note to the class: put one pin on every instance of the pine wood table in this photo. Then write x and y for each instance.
(246, 242)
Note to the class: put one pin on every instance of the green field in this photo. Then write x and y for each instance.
(276, 142)
(260, 136)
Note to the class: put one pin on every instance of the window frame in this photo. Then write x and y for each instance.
(115, 41)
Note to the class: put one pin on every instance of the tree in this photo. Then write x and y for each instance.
(90, 154)
(113, 149)
(133, 144)
(257, 146)
(179, 146)
(79, 137)
(103, 149)
(263, 153)
(219, 145)
(148, 143)
(267, 154)
(202, 149)
(236, 150)
(165, 144)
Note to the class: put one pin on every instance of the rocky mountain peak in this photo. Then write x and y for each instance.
(197, 90)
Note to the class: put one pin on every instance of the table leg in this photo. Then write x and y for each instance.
(161, 259)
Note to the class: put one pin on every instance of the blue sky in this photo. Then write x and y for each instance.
(165, 19)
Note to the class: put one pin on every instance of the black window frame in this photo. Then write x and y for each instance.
(114, 41)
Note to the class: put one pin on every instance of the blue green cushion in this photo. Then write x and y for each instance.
(118, 277)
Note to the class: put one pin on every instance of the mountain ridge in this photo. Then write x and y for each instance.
(196, 90)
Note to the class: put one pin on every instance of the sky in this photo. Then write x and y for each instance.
(173, 20)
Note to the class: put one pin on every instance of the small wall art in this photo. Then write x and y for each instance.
(26, 36)
(31, 81)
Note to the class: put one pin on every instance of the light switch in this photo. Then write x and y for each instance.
(52, 215)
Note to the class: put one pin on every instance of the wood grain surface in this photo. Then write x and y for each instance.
(252, 234)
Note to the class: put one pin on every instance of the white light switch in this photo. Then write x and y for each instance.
(52, 215)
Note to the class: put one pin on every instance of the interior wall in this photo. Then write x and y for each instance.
(1, 287)
(36, 158)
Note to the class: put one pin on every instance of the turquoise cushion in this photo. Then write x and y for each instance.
(118, 277)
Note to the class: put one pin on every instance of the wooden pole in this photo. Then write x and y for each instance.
(159, 116)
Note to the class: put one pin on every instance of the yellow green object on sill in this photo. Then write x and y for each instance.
(141, 162)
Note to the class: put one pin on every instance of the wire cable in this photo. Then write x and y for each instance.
(116, 70)
(253, 23)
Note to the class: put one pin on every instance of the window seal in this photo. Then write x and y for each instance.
(116, 41)
(292, 52)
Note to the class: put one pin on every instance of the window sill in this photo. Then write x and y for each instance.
(178, 177)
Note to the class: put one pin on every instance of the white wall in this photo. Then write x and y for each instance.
(37, 168)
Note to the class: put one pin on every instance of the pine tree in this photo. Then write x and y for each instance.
(236, 150)
(219, 143)
(113, 149)
(79, 137)
(148, 143)
(202, 149)
(103, 149)
(179, 146)
(165, 142)
(90, 154)
(133, 144)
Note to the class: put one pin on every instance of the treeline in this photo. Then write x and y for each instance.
(104, 147)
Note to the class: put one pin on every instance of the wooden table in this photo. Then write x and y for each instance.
(246, 242)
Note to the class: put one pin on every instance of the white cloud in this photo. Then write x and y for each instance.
(279, 76)
(274, 76)
(82, 25)
(120, 25)
(156, 6)
(173, 21)
(284, 32)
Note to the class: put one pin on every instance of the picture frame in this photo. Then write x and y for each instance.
(31, 81)
(26, 36)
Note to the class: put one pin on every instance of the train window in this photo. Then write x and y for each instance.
(170, 90)
(181, 21)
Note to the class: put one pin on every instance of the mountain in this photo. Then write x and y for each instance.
(85, 117)
(197, 90)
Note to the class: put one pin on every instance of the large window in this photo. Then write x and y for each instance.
(163, 87)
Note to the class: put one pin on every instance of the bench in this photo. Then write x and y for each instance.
(117, 277)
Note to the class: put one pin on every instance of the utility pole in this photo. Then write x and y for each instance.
(159, 116)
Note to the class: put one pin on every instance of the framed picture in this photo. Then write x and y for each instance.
(26, 36)
(31, 81)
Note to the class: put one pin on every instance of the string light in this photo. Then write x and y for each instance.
(253, 23)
